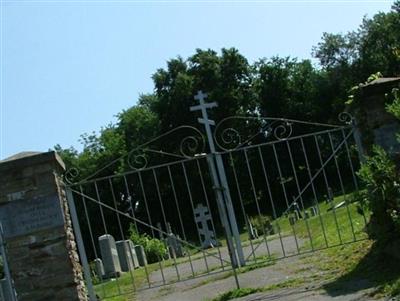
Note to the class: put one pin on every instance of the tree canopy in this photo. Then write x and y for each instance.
(275, 87)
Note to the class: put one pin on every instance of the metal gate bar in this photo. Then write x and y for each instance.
(277, 173)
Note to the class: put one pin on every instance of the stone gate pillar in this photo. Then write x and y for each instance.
(42, 252)
(377, 126)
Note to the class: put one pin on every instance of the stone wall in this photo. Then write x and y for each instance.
(42, 252)
(377, 126)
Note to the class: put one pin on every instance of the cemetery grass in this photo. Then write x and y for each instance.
(324, 230)
(334, 264)
(122, 289)
(330, 228)
(342, 268)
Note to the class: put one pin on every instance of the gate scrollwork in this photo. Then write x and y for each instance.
(235, 132)
(157, 151)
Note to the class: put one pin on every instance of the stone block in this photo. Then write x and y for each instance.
(40, 253)
(109, 255)
(99, 268)
(141, 255)
(125, 255)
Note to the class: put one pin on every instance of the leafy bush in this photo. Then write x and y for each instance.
(96, 279)
(154, 248)
(381, 176)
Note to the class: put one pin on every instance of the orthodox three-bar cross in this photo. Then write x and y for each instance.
(219, 178)
(203, 106)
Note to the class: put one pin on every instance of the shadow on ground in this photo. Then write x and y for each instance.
(378, 268)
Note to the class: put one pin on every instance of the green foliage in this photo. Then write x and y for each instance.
(155, 249)
(381, 176)
(95, 277)
(237, 293)
(394, 107)
(290, 88)
(374, 46)
(274, 87)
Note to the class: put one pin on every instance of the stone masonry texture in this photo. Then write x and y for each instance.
(44, 261)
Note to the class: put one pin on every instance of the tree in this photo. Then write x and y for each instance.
(373, 47)
(226, 78)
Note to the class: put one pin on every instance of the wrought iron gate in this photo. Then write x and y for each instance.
(257, 189)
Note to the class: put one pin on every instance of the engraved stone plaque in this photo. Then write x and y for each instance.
(28, 216)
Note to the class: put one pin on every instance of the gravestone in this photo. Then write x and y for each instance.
(313, 211)
(109, 255)
(99, 268)
(330, 194)
(253, 231)
(253, 234)
(175, 246)
(169, 228)
(161, 235)
(269, 227)
(202, 217)
(42, 253)
(141, 255)
(131, 248)
(125, 255)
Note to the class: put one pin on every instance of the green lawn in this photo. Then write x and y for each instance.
(122, 288)
(329, 228)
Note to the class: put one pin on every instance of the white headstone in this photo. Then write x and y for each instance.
(141, 255)
(99, 268)
(133, 254)
(159, 232)
(109, 255)
(125, 255)
(169, 228)
(330, 194)
(313, 211)
(253, 233)
(175, 246)
(207, 236)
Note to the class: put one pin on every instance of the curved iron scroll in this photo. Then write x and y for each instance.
(245, 130)
(192, 142)
(241, 131)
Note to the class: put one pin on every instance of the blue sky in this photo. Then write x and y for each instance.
(68, 67)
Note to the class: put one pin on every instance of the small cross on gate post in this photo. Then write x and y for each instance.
(203, 106)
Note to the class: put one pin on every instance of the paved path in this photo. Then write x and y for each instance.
(308, 280)
(213, 263)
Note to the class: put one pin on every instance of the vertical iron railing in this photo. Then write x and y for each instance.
(291, 188)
